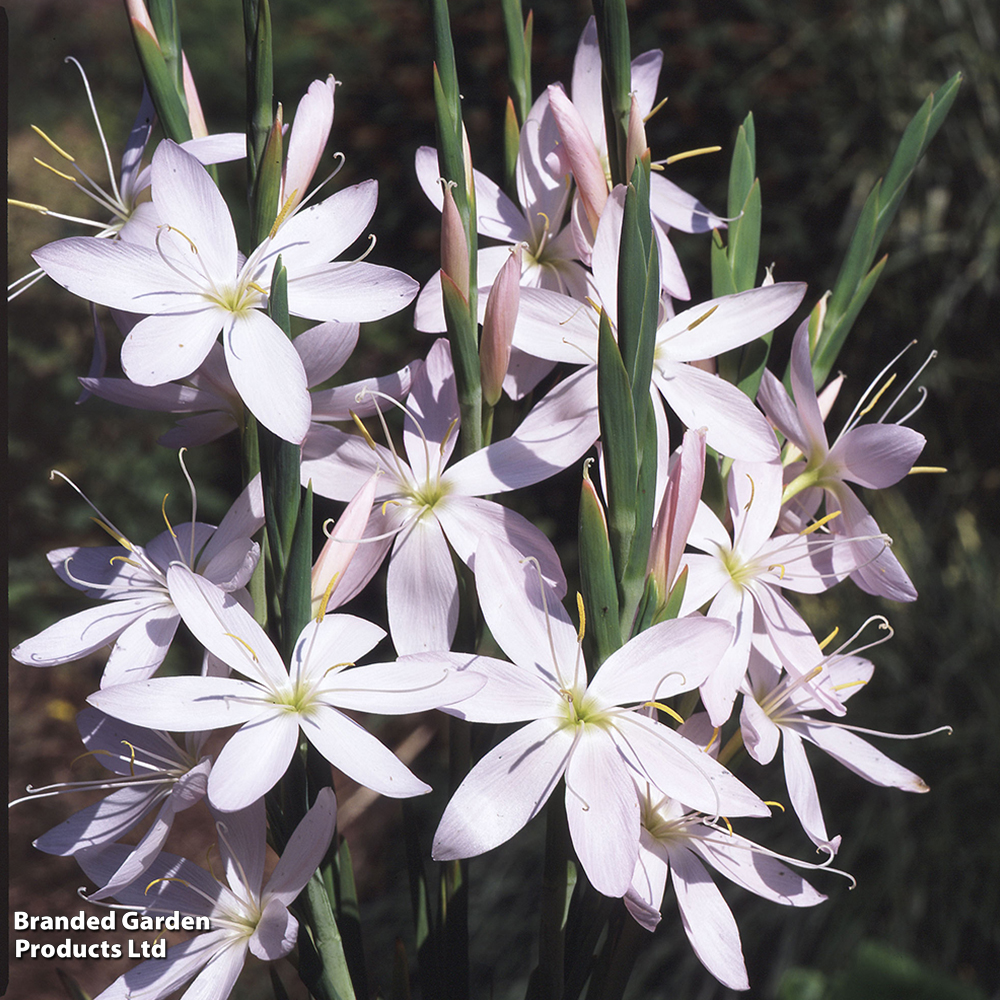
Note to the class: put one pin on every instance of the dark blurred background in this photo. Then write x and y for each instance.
(832, 86)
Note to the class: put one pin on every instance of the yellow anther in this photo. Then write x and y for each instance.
(849, 684)
(256, 287)
(325, 600)
(364, 432)
(701, 319)
(878, 395)
(447, 434)
(716, 733)
(692, 152)
(283, 214)
(243, 642)
(91, 753)
(753, 490)
(183, 235)
(664, 708)
(166, 879)
(653, 112)
(166, 520)
(779, 567)
(123, 559)
(729, 826)
(62, 152)
(826, 642)
(131, 759)
(777, 805)
(926, 468)
(386, 503)
(583, 617)
(120, 539)
(58, 173)
(41, 209)
(337, 666)
(819, 524)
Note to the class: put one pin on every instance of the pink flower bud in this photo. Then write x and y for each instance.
(498, 326)
(635, 141)
(196, 118)
(138, 14)
(454, 246)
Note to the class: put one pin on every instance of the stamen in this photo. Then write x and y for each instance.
(926, 468)
(855, 416)
(701, 319)
(243, 642)
(657, 108)
(775, 803)
(194, 504)
(58, 173)
(40, 209)
(100, 131)
(777, 566)
(676, 716)
(877, 396)
(753, 490)
(902, 392)
(364, 431)
(819, 524)
(583, 617)
(131, 763)
(826, 642)
(62, 152)
(691, 152)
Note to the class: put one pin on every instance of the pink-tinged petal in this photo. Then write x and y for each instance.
(876, 455)
(168, 398)
(554, 326)
(224, 627)
(244, 847)
(82, 633)
(715, 326)
(754, 492)
(707, 575)
(276, 933)
(607, 241)
(323, 231)
(335, 640)
(760, 735)
(734, 425)
(181, 704)
(114, 273)
(305, 849)
(683, 770)
(804, 391)
(677, 209)
(190, 432)
(369, 555)
(338, 465)
(172, 345)
(362, 397)
(232, 566)
(223, 147)
(499, 218)
(672, 279)
(268, 374)
(524, 373)
(733, 604)
(351, 292)
(310, 131)
(781, 411)
(243, 519)
(157, 978)
(708, 922)
(269, 740)
(806, 564)
(879, 571)
(541, 188)
(741, 861)
(791, 637)
(849, 674)
(802, 791)
(554, 435)
(665, 660)
(603, 812)
(421, 589)
(525, 616)
(409, 685)
(582, 154)
(102, 822)
(428, 314)
(325, 348)
(189, 202)
(353, 750)
(645, 77)
(511, 692)
(429, 436)
(467, 519)
(144, 852)
(649, 880)
(586, 82)
(860, 756)
(141, 648)
(219, 977)
(506, 789)
(111, 737)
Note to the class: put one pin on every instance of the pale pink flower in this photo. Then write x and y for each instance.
(577, 730)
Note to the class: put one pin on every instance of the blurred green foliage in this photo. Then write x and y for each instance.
(831, 85)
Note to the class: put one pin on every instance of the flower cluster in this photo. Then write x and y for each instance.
(683, 610)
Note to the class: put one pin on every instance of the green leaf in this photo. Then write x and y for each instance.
(260, 81)
(618, 436)
(163, 15)
(672, 606)
(597, 574)
(463, 336)
(267, 185)
(518, 56)
(616, 67)
(170, 109)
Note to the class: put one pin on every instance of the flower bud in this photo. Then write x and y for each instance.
(454, 245)
(635, 140)
(498, 327)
